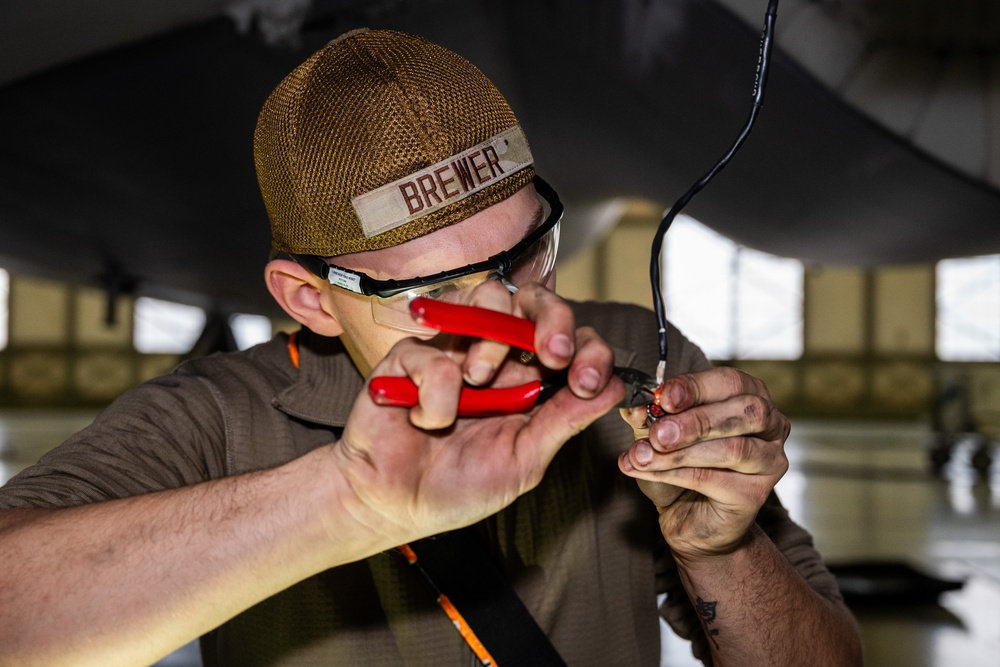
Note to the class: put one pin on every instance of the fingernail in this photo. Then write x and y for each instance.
(589, 379)
(561, 345)
(676, 394)
(667, 432)
(480, 372)
(626, 464)
(643, 452)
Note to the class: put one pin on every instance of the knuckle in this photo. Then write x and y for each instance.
(739, 451)
(700, 476)
(534, 289)
(445, 370)
(491, 294)
(734, 380)
(783, 464)
(557, 307)
(590, 341)
(702, 423)
(533, 479)
(588, 333)
(756, 411)
(398, 349)
(761, 387)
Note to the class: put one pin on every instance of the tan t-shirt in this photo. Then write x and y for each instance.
(582, 550)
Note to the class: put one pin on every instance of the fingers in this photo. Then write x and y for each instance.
(723, 437)
(638, 419)
(715, 384)
(746, 455)
(555, 340)
(437, 377)
(558, 344)
(560, 418)
(733, 472)
(592, 366)
(722, 441)
(555, 336)
(485, 356)
(438, 368)
(714, 404)
(726, 487)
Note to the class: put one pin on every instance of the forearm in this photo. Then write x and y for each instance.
(126, 581)
(756, 609)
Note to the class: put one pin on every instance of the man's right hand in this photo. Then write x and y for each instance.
(420, 471)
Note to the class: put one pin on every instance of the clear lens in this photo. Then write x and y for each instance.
(394, 311)
(534, 265)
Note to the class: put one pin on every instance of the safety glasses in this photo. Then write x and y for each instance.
(530, 260)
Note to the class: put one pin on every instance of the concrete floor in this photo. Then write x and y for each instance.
(866, 492)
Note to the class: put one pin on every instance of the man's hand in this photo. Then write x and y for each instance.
(420, 471)
(710, 464)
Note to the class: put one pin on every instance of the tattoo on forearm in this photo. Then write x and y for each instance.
(707, 611)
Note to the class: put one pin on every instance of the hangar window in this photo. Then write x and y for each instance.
(248, 330)
(968, 309)
(734, 302)
(4, 295)
(163, 327)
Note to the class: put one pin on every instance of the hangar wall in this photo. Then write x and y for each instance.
(868, 338)
(60, 350)
(869, 334)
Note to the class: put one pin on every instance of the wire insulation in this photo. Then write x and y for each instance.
(760, 82)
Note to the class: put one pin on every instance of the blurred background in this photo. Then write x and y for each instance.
(849, 256)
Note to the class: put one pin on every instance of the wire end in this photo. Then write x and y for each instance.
(661, 372)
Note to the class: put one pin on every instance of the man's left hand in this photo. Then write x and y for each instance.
(710, 464)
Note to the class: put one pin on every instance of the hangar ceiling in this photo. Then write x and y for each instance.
(128, 124)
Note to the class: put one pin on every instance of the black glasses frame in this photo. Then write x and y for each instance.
(501, 263)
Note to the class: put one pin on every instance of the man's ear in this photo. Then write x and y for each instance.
(299, 293)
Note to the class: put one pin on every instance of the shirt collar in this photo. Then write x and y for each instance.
(326, 383)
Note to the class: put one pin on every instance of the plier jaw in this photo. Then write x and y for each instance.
(640, 388)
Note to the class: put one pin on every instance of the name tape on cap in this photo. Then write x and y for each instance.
(444, 183)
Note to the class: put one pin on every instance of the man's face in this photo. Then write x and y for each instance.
(475, 239)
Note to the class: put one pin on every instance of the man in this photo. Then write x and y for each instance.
(257, 499)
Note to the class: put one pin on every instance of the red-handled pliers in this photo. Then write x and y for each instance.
(640, 387)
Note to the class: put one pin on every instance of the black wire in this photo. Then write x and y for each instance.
(760, 82)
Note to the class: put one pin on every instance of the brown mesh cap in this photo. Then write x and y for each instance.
(377, 114)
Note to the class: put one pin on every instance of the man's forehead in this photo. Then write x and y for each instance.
(477, 238)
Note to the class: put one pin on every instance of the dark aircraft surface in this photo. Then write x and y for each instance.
(126, 152)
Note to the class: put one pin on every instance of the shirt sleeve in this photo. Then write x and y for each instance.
(166, 433)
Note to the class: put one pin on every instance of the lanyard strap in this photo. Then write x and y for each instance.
(450, 610)
(461, 573)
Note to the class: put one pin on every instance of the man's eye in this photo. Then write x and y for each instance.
(442, 292)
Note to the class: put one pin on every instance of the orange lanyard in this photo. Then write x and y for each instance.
(456, 617)
(293, 348)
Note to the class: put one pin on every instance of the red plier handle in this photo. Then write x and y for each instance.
(641, 389)
(478, 323)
